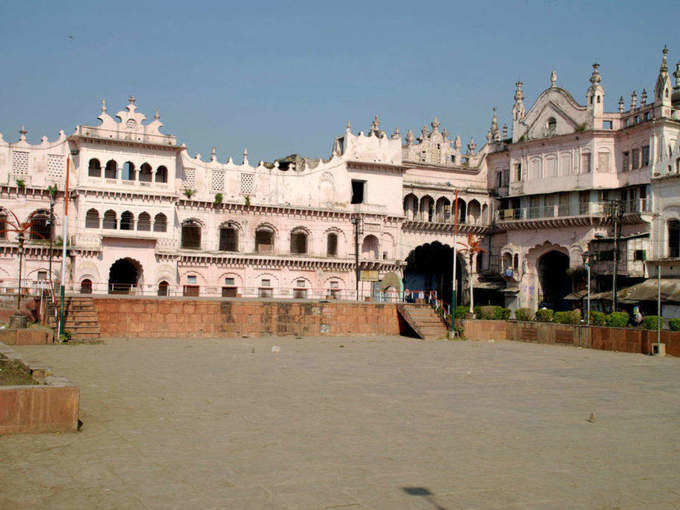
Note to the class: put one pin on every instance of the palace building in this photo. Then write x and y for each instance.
(570, 185)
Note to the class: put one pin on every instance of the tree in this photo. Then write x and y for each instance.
(471, 248)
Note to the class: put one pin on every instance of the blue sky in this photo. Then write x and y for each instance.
(283, 77)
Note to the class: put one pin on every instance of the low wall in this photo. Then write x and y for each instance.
(51, 406)
(27, 336)
(131, 317)
(593, 337)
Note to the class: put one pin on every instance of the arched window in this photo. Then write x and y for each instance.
(145, 173)
(228, 238)
(160, 223)
(127, 221)
(144, 222)
(370, 247)
(86, 286)
(161, 174)
(41, 227)
(163, 288)
(461, 211)
(674, 238)
(474, 212)
(298, 242)
(111, 170)
(332, 245)
(426, 208)
(92, 219)
(128, 173)
(515, 262)
(191, 235)
(264, 240)
(110, 220)
(552, 124)
(479, 262)
(94, 169)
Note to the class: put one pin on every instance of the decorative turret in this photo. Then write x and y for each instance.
(505, 131)
(349, 127)
(518, 112)
(494, 132)
(22, 134)
(633, 101)
(213, 153)
(410, 137)
(675, 98)
(643, 98)
(396, 135)
(471, 147)
(621, 104)
(595, 94)
(662, 90)
(245, 156)
(375, 127)
(553, 79)
(456, 144)
(435, 124)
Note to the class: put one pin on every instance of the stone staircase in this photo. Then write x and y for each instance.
(424, 321)
(80, 318)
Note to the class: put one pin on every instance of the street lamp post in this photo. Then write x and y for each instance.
(586, 256)
(615, 215)
(356, 222)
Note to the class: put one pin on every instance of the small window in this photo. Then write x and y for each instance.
(161, 174)
(264, 241)
(607, 124)
(191, 279)
(127, 221)
(128, 173)
(144, 222)
(586, 162)
(191, 235)
(163, 288)
(358, 188)
(266, 283)
(228, 239)
(229, 282)
(42, 275)
(3, 226)
(552, 124)
(332, 245)
(645, 155)
(640, 255)
(86, 286)
(229, 289)
(111, 170)
(94, 168)
(625, 161)
(300, 283)
(145, 174)
(160, 223)
(265, 289)
(518, 172)
(636, 159)
(192, 290)
(92, 219)
(298, 243)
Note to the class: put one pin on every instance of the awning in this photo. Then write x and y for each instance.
(490, 285)
(644, 291)
(576, 296)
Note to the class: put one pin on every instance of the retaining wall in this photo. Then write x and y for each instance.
(27, 336)
(131, 317)
(593, 337)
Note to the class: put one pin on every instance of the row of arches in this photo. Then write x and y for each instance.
(127, 221)
(40, 225)
(127, 171)
(441, 210)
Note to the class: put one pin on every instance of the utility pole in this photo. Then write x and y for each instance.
(453, 286)
(64, 241)
(615, 216)
(356, 222)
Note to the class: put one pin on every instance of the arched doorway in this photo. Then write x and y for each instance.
(429, 267)
(554, 280)
(124, 276)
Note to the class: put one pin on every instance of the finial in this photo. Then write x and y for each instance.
(621, 104)
(132, 99)
(409, 137)
(131, 107)
(676, 74)
(553, 79)
(505, 130)
(435, 124)
(472, 146)
(445, 133)
(213, 153)
(375, 126)
(245, 156)
(396, 135)
(633, 100)
(494, 120)
(424, 132)
(595, 77)
(349, 126)
(643, 98)
(519, 95)
(22, 133)
(456, 144)
(157, 116)
(664, 60)
(103, 105)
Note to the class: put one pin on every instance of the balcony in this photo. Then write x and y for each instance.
(585, 213)
(444, 222)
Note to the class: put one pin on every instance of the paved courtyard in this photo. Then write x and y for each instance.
(353, 424)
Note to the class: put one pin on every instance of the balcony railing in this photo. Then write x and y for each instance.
(443, 218)
(564, 211)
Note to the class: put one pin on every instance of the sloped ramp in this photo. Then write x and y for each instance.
(423, 320)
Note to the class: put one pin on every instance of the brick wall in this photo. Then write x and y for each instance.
(608, 339)
(168, 317)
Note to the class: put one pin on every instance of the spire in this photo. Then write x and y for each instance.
(22, 134)
(131, 106)
(676, 75)
(245, 156)
(518, 109)
(664, 60)
(409, 137)
(349, 126)
(424, 132)
(472, 146)
(505, 131)
(662, 90)
(157, 116)
(595, 77)
(213, 154)
(553, 79)
(456, 144)
(103, 106)
(643, 98)
(396, 135)
(633, 100)
(621, 104)
(435, 124)
(375, 126)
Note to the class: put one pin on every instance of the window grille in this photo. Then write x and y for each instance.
(55, 166)
(20, 163)
(217, 182)
(190, 178)
(247, 184)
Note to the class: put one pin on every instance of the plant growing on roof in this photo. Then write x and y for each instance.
(218, 198)
(52, 190)
(472, 247)
(21, 184)
(247, 198)
(189, 192)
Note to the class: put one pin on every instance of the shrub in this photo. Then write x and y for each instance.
(571, 317)
(523, 314)
(617, 319)
(502, 314)
(544, 315)
(477, 310)
(598, 319)
(650, 322)
(674, 324)
(460, 331)
(218, 198)
(489, 312)
(461, 311)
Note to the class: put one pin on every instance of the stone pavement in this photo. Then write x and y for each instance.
(378, 423)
